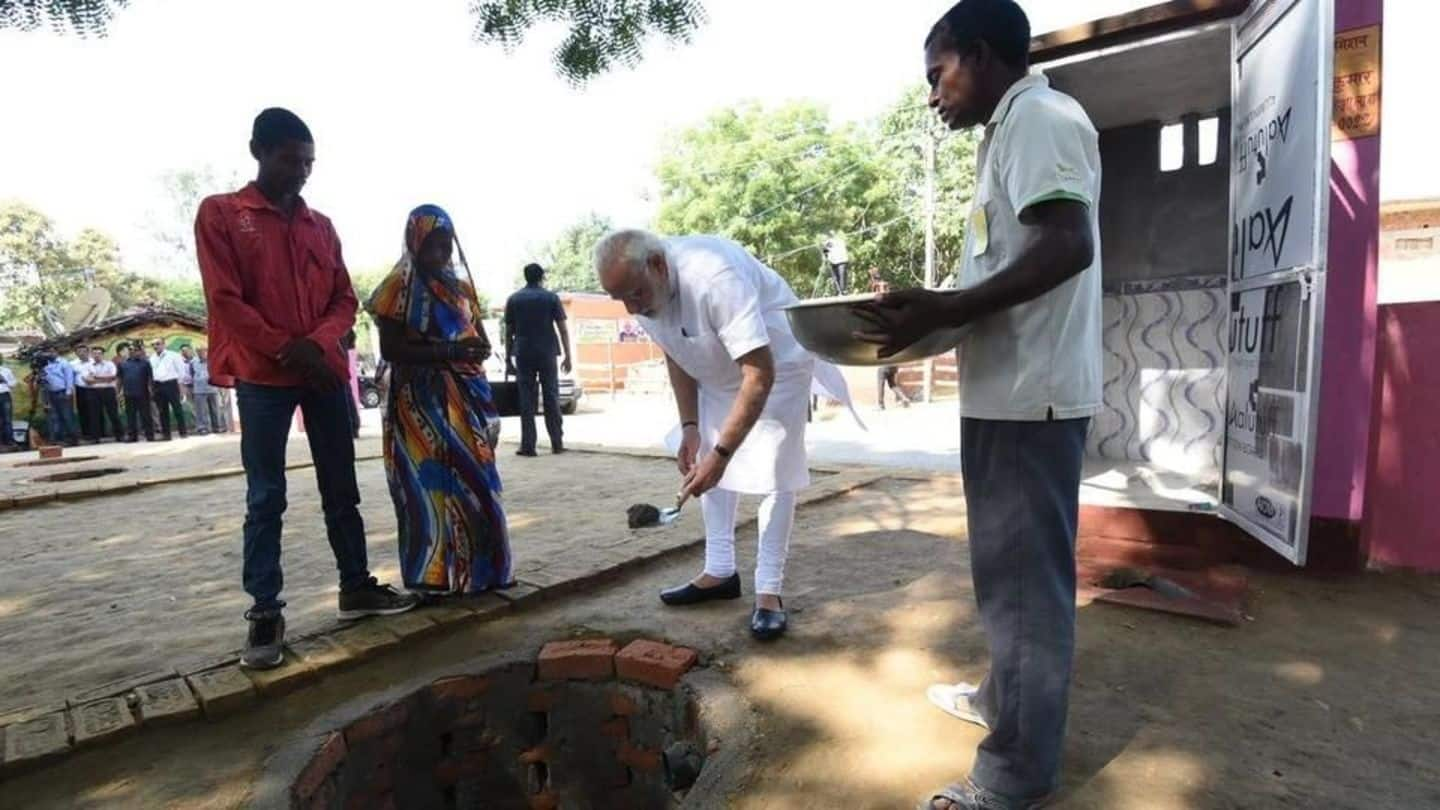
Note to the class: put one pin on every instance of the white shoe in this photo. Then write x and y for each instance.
(955, 700)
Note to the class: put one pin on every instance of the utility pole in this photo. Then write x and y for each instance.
(928, 145)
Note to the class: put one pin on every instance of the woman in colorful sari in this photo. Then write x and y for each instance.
(440, 423)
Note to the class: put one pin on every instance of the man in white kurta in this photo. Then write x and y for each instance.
(742, 385)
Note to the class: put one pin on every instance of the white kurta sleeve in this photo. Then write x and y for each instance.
(732, 308)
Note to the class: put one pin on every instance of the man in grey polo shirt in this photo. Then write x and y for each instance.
(1030, 381)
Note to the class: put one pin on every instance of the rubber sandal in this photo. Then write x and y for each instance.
(957, 794)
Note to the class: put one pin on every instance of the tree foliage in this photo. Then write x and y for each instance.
(184, 294)
(39, 269)
(781, 181)
(903, 248)
(778, 181)
(602, 35)
(84, 17)
(173, 226)
(569, 258)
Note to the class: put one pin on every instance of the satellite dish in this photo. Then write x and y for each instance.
(88, 309)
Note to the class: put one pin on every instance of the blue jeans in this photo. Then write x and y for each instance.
(7, 422)
(266, 412)
(1022, 490)
(62, 414)
(530, 371)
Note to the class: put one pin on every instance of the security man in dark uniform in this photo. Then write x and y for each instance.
(533, 317)
(136, 378)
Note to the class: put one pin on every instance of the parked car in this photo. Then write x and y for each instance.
(20, 434)
(507, 391)
(369, 391)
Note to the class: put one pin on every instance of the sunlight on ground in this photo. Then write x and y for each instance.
(869, 718)
(521, 520)
(1149, 780)
(13, 606)
(1301, 673)
(1386, 633)
(115, 540)
(865, 723)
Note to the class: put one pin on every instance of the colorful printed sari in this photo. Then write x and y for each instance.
(440, 432)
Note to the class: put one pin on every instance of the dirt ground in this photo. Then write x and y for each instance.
(110, 588)
(1326, 699)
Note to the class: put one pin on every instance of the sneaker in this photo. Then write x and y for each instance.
(969, 796)
(956, 700)
(374, 599)
(264, 647)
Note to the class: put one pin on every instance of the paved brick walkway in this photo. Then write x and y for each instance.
(111, 588)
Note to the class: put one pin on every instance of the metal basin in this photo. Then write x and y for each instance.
(826, 326)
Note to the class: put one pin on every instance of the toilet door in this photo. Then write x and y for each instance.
(1279, 207)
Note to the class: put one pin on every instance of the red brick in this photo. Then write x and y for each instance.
(619, 779)
(463, 688)
(326, 759)
(589, 660)
(51, 451)
(544, 801)
(377, 723)
(540, 701)
(622, 706)
(655, 664)
(638, 758)
(323, 797)
(381, 777)
(450, 771)
(371, 800)
(618, 729)
(361, 800)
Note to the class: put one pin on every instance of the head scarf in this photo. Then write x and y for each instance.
(432, 304)
(422, 222)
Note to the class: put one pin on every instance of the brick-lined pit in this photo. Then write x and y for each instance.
(587, 726)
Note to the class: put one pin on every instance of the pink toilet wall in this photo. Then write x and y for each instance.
(1402, 522)
(1343, 448)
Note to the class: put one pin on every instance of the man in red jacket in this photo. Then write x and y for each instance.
(280, 301)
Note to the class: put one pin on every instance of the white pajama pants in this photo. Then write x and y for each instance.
(777, 519)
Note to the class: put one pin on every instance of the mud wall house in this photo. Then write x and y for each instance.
(1240, 221)
(146, 325)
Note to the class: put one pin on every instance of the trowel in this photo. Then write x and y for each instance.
(669, 516)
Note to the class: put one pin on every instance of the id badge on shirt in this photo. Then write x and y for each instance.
(979, 231)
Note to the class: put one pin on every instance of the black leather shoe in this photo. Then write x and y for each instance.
(526, 453)
(768, 625)
(692, 594)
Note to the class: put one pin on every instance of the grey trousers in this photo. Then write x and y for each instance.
(210, 414)
(1022, 490)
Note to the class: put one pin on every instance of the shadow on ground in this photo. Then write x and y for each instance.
(1326, 699)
